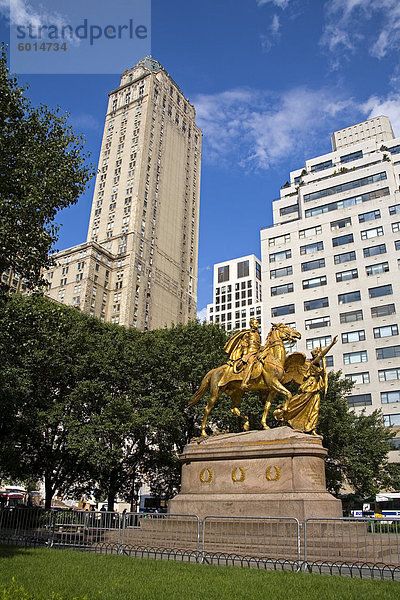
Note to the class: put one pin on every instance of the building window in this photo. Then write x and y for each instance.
(329, 360)
(317, 323)
(314, 282)
(258, 271)
(318, 342)
(342, 239)
(358, 378)
(344, 258)
(387, 352)
(389, 397)
(283, 272)
(278, 311)
(386, 331)
(391, 420)
(397, 245)
(311, 231)
(349, 297)
(383, 311)
(377, 268)
(313, 264)
(369, 216)
(278, 256)
(340, 223)
(359, 400)
(353, 336)
(389, 374)
(350, 157)
(315, 304)
(351, 358)
(321, 166)
(396, 227)
(381, 290)
(282, 289)
(374, 250)
(243, 269)
(223, 274)
(324, 208)
(371, 233)
(288, 210)
(280, 239)
(311, 248)
(394, 210)
(343, 187)
(347, 275)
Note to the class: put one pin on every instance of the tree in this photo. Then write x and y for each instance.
(42, 170)
(40, 346)
(173, 362)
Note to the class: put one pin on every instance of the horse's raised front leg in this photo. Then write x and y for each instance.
(236, 398)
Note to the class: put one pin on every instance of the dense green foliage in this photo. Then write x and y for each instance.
(69, 575)
(42, 170)
(94, 407)
(97, 408)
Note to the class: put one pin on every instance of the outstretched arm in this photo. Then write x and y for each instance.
(324, 352)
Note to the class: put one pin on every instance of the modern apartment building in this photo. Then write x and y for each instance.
(138, 266)
(330, 262)
(237, 293)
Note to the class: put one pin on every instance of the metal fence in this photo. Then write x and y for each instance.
(354, 547)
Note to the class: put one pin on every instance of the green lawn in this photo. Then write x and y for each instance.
(67, 575)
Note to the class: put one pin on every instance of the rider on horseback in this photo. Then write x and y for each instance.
(243, 348)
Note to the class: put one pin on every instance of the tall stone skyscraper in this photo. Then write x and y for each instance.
(139, 264)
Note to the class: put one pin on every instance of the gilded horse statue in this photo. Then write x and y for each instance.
(266, 374)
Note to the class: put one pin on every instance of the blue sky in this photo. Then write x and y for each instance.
(270, 80)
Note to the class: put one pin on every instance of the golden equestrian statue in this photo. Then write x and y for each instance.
(250, 367)
(302, 410)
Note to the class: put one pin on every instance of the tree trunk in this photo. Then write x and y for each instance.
(49, 491)
(110, 500)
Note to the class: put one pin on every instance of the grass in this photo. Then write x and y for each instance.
(45, 574)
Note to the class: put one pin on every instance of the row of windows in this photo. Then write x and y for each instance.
(347, 317)
(354, 336)
(366, 399)
(348, 185)
(340, 241)
(361, 356)
(346, 298)
(243, 270)
(335, 225)
(351, 317)
(352, 201)
(374, 269)
(318, 263)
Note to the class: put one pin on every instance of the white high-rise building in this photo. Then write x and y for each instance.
(236, 293)
(330, 262)
(138, 266)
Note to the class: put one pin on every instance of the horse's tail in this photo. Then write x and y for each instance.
(204, 386)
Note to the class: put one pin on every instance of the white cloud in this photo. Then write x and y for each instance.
(347, 19)
(85, 121)
(390, 107)
(273, 35)
(20, 12)
(202, 314)
(279, 3)
(258, 129)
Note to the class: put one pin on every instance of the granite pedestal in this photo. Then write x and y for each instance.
(273, 473)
